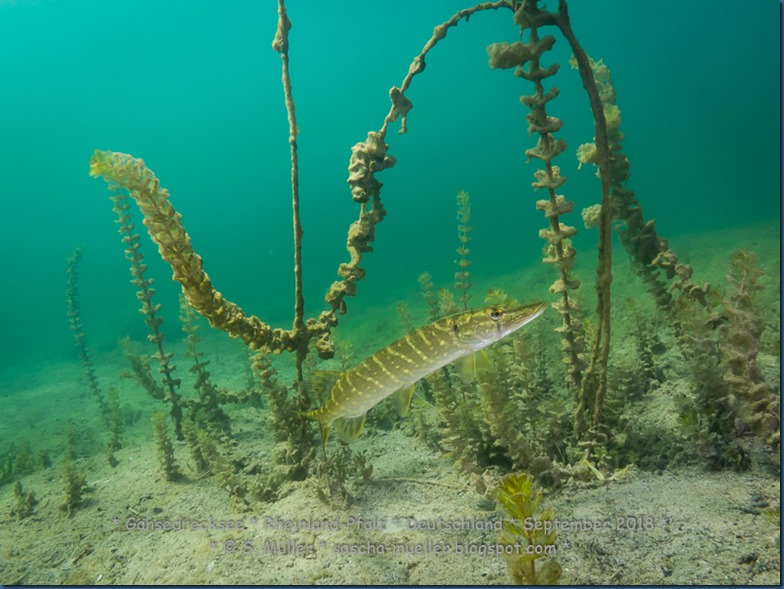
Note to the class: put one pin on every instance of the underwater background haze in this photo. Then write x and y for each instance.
(194, 89)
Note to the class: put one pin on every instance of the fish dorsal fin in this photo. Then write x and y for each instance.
(349, 428)
(402, 399)
(472, 364)
(321, 382)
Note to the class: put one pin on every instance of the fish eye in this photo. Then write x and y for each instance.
(496, 314)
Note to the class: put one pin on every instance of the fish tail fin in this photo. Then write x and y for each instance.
(316, 415)
(319, 384)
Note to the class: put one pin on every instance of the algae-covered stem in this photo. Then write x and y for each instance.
(592, 384)
(281, 44)
(601, 344)
(400, 104)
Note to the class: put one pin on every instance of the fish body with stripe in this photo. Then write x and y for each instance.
(420, 353)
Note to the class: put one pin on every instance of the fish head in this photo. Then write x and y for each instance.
(482, 327)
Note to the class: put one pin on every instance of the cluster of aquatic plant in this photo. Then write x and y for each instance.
(339, 477)
(24, 501)
(18, 459)
(165, 448)
(74, 487)
(721, 343)
(513, 406)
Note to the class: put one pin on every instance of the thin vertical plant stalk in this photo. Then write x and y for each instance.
(596, 373)
(281, 45)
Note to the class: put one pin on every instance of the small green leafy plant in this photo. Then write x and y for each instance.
(529, 533)
(74, 487)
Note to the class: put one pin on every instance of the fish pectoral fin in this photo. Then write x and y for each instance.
(402, 399)
(350, 428)
(472, 364)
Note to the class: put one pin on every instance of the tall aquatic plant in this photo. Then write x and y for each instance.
(588, 378)
(169, 390)
(74, 313)
(464, 229)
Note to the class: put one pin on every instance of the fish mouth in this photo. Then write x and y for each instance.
(529, 315)
(542, 307)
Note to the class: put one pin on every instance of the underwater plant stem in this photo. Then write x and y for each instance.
(400, 104)
(601, 344)
(301, 335)
(281, 45)
(149, 309)
(75, 322)
(560, 250)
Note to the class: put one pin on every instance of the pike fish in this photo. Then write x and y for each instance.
(401, 364)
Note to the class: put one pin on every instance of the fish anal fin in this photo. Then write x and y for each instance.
(350, 428)
(402, 399)
(472, 364)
